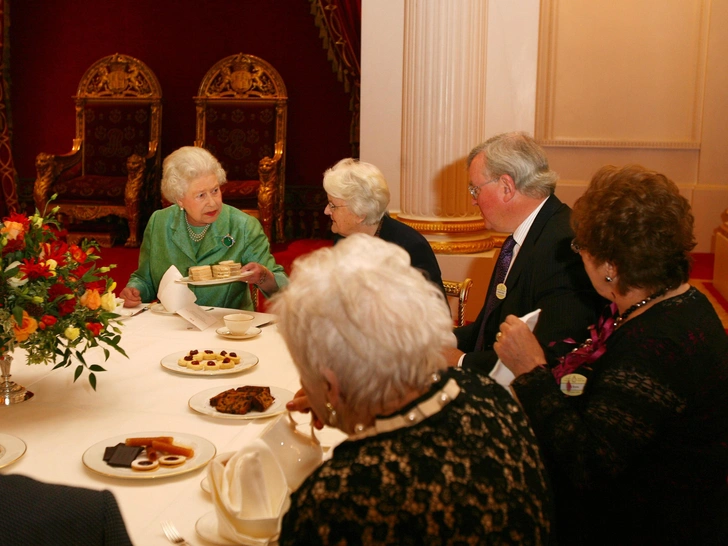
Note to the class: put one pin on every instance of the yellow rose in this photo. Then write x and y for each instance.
(23, 331)
(71, 333)
(91, 299)
(108, 301)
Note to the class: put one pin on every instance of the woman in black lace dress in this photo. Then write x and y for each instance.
(434, 455)
(634, 426)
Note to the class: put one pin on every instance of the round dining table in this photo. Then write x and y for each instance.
(64, 419)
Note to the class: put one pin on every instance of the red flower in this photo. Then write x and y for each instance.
(78, 254)
(48, 320)
(33, 270)
(94, 327)
(66, 306)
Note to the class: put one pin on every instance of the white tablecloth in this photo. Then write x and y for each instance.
(137, 394)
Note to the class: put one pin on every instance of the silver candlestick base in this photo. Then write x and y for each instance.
(10, 391)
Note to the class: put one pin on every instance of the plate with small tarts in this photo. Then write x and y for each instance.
(12, 448)
(200, 403)
(246, 361)
(210, 282)
(204, 451)
(227, 334)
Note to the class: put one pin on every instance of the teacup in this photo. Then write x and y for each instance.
(238, 323)
(298, 454)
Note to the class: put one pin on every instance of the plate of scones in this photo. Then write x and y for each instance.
(220, 273)
(241, 402)
(215, 361)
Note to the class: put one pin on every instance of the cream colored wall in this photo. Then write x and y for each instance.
(637, 81)
(624, 81)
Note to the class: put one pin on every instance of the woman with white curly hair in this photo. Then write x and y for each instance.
(358, 197)
(434, 454)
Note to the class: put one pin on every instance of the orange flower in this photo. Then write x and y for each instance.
(91, 299)
(13, 230)
(29, 326)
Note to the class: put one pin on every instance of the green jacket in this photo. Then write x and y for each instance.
(233, 236)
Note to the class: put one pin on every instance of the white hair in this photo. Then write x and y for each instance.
(184, 165)
(362, 311)
(363, 187)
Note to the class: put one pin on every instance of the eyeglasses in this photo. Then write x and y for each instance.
(575, 246)
(333, 207)
(475, 190)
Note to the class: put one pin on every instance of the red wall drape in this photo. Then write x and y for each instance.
(53, 42)
(9, 202)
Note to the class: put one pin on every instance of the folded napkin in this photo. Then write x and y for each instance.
(173, 295)
(500, 373)
(250, 494)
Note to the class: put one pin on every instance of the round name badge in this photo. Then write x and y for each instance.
(500, 291)
(573, 384)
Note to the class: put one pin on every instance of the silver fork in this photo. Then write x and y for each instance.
(170, 531)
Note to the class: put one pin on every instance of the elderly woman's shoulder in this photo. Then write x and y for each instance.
(473, 382)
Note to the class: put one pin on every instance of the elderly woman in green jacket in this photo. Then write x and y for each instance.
(198, 229)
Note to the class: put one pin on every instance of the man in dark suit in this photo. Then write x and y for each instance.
(511, 182)
(37, 513)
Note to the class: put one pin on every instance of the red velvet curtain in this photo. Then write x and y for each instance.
(9, 202)
(339, 22)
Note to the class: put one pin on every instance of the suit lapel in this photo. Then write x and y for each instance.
(549, 208)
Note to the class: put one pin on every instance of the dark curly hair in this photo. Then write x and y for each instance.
(636, 220)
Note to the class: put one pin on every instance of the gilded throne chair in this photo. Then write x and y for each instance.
(242, 104)
(114, 164)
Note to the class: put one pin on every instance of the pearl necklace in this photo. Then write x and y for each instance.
(196, 237)
(621, 318)
(417, 414)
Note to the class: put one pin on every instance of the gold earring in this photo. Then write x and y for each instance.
(332, 418)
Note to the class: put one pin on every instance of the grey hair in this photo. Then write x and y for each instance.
(185, 165)
(363, 187)
(518, 155)
(360, 310)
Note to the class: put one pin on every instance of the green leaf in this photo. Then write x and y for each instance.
(96, 368)
(77, 373)
(92, 380)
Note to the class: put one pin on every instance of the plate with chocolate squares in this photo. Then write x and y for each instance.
(241, 402)
(148, 455)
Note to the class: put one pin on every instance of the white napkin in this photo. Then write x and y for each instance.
(173, 295)
(250, 494)
(500, 373)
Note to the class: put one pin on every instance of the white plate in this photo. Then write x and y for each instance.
(186, 280)
(252, 332)
(93, 457)
(247, 360)
(11, 449)
(159, 309)
(200, 402)
(206, 527)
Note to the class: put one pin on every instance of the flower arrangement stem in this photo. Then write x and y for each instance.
(10, 391)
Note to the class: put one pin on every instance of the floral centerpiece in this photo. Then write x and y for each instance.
(54, 302)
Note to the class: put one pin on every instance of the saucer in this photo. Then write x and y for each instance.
(224, 332)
